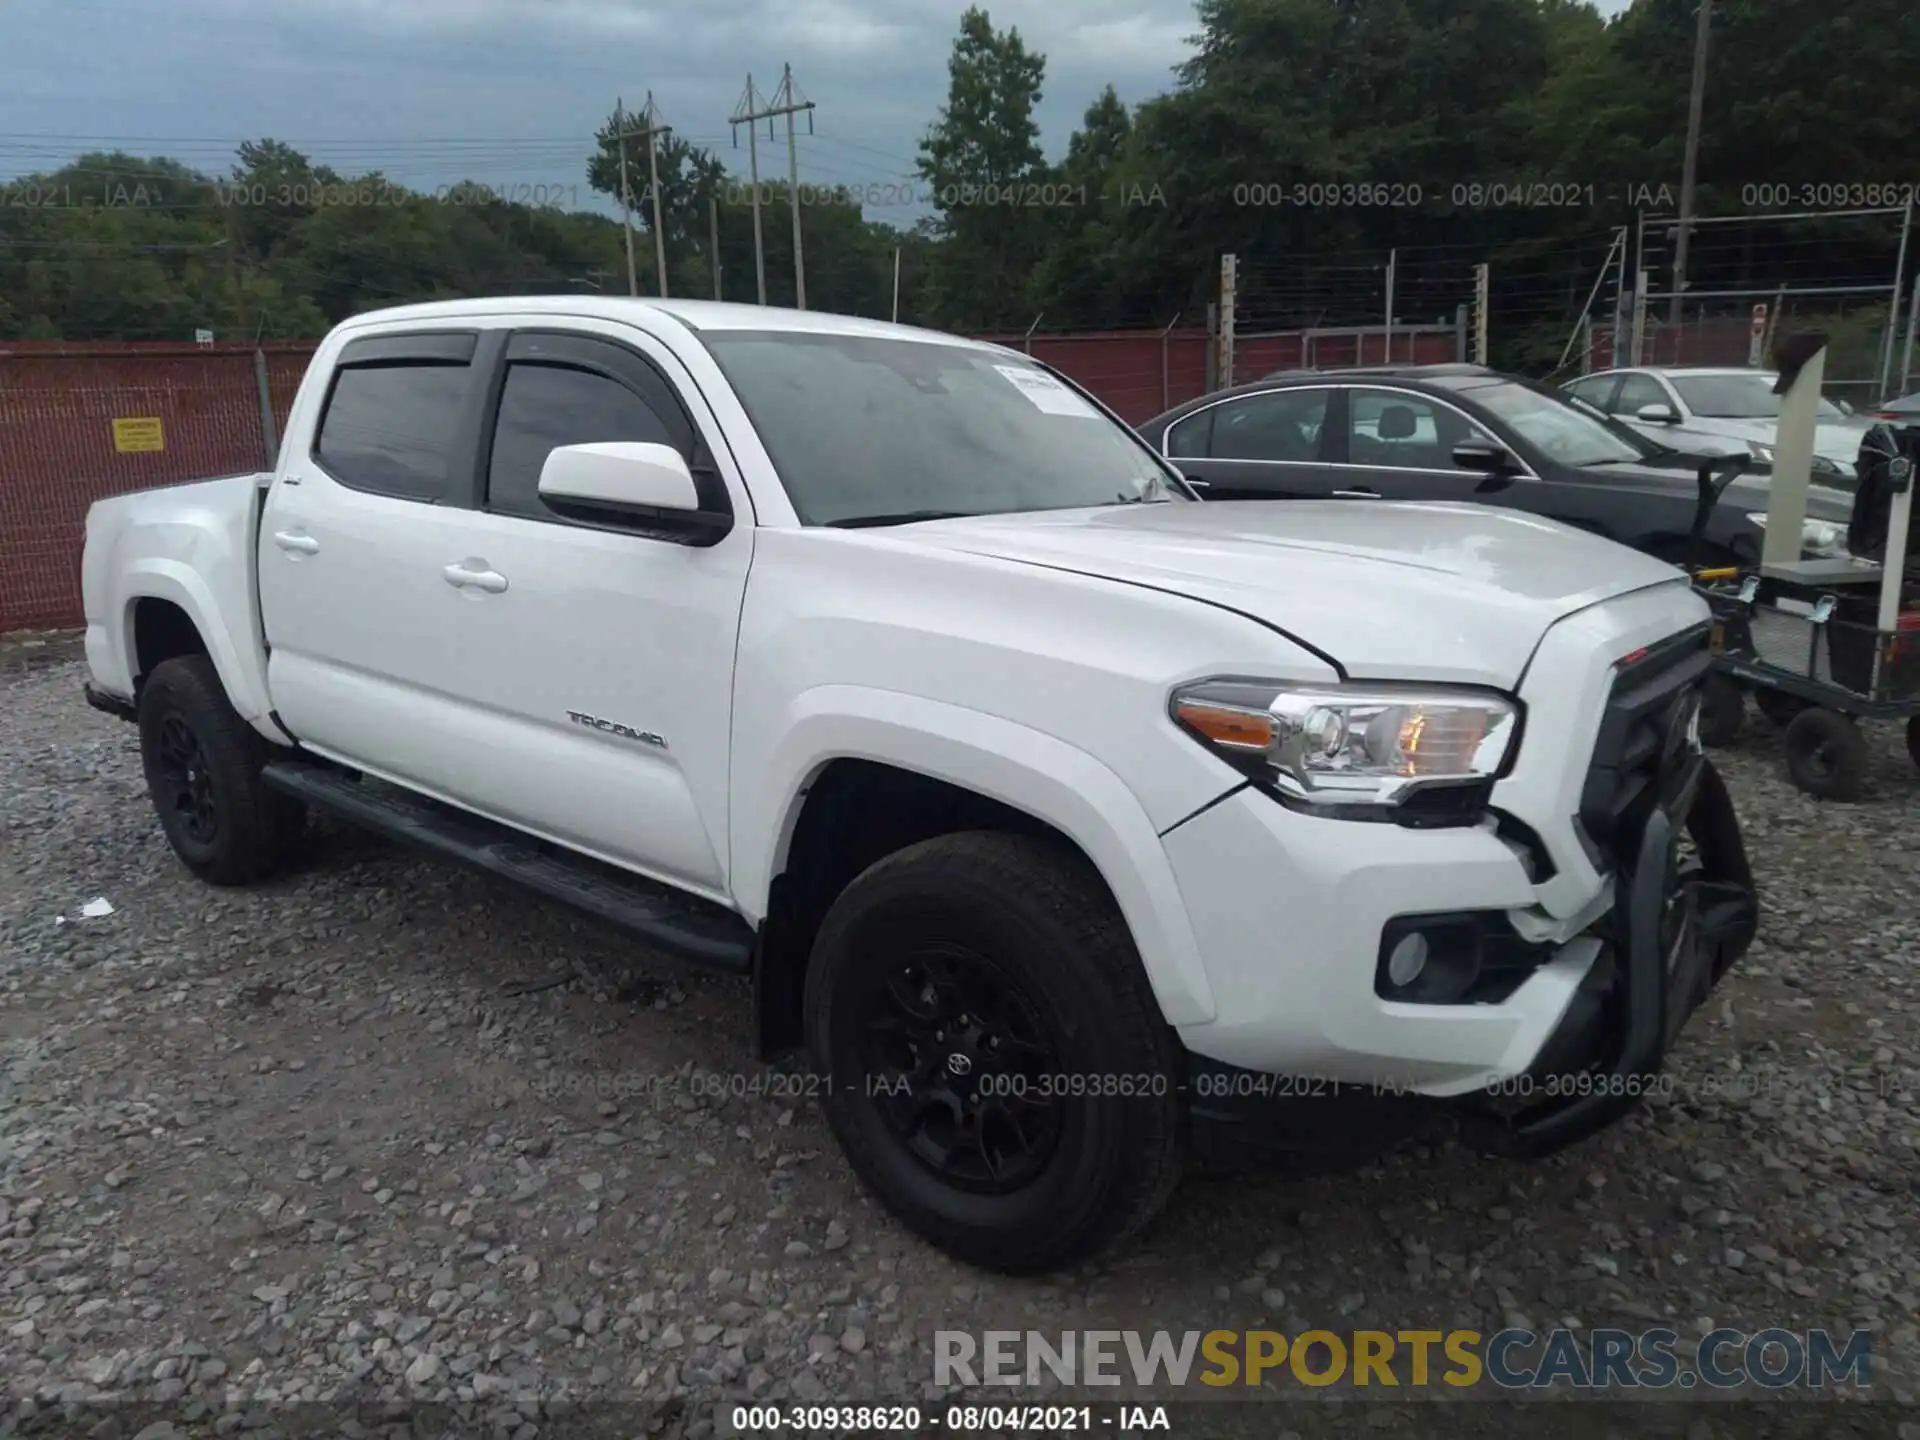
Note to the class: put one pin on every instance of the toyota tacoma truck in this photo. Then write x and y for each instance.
(1066, 829)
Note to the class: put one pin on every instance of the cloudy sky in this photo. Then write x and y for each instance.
(506, 91)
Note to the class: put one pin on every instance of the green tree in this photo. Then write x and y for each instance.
(979, 157)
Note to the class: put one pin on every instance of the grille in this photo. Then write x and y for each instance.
(1634, 745)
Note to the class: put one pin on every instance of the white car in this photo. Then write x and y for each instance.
(1066, 824)
(1719, 411)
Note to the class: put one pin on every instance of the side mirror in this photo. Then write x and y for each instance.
(626, 482)
(1484, 455)
(1492, 460)
(1656, 414)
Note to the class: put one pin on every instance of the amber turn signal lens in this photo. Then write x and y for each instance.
(1235, 729)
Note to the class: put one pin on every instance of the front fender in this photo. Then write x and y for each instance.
(994, 757)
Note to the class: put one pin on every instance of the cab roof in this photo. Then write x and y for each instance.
(694, 315)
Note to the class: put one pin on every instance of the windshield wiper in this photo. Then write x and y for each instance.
(903, 517)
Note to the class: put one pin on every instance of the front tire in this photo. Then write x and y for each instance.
(202, 763)
(1001, 1076)
(1826, 755)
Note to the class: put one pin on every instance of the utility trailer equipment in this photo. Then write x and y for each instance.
(1821, 644)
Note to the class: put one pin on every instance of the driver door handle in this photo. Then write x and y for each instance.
(464, 577)
(1357, 494)
(296, 544)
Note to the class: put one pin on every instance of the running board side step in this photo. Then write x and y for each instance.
(681, 925)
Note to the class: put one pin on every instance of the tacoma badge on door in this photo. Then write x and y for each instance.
(614, 727)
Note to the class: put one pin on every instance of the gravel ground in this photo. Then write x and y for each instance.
(307, 1141)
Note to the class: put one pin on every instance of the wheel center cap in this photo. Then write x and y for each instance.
(959, 1063)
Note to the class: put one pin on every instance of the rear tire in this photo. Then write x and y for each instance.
(1913, 738)
(202, 763)
(1723, 710)
(1826, 755)
(953, 988)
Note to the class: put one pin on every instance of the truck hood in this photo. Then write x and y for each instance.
(1386, 590)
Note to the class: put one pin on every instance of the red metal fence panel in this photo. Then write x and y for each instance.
(60, 449)
(82, 422)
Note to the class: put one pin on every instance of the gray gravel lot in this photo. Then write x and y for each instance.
(305, 1141)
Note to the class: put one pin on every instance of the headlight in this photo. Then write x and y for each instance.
(1822, 539)
(1760, 451)
(1350, 745)
(1823, 466)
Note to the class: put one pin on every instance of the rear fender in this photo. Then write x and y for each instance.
(235, 658)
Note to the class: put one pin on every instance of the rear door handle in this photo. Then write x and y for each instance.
(1357, 494)
(296, 544)
(474, 576)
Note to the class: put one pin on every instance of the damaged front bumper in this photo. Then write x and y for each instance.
(1685, 911)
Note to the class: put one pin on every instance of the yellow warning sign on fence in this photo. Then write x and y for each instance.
(135, 435)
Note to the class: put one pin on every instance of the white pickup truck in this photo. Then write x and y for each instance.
(1069, 826)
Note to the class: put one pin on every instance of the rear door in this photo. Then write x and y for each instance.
(356, 614)
(1268, 445)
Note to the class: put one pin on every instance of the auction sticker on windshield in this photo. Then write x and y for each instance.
(1045, 392)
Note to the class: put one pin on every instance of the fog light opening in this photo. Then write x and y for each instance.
(1429, 959)
(1408, 960)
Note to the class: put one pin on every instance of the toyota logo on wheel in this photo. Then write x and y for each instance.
(959, 1064)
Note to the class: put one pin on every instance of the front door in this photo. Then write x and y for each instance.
(1398, 444)
(607, 706)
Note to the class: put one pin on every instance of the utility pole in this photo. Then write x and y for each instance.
(1695, 103)
(713, 241)
(626, 194)
(896, 295)
(743, 114)
(653, 130)
(789, 102)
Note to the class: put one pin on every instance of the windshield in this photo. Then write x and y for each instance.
(866, 428)
(1559, 428)
(1739, 397)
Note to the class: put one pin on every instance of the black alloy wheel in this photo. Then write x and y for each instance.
(960, 1060)
(183, 784)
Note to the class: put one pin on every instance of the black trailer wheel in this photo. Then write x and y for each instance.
(1826, 755)
(1723, 710)
(1913, 738)
(998, 1071)
(1778, 706)
(202, 764)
